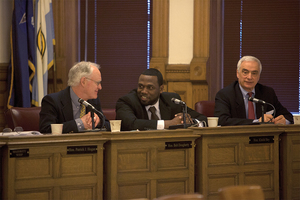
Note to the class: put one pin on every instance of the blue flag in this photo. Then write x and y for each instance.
(21, 69)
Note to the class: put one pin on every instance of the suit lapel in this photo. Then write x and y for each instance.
(258, 95)
(239, 100)
(67, 109)
(165, 111)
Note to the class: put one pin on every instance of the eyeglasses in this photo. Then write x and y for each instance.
(97, 82)
(17, 129)
(246, 72)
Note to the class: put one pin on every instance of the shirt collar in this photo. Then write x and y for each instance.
(156, 105)
(245, 93)
(74, 97)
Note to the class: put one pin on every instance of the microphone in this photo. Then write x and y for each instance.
(87, 104)
(256, 100)
(177, 101)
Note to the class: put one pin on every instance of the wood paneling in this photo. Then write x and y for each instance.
(138, 165)
(49, 171)
(192, 75)
(225, 157)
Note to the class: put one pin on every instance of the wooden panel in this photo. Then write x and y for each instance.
(41, 194)
(172, 159)
(263, 178)
(184, 89)
(133, 160)
(78, 165)
(172, 186)
(258, 153)
(138, 165)
(134, 190)
(49, 172)
(216, 181)
(34, 167)
(78, 193)
(290, 162)
(228, 159)
(222, 154)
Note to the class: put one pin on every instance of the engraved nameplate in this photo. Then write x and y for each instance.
(261, 139)
(178, 145)
(16, 153)
(81, 149)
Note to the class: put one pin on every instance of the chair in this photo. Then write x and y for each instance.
(181, 197)
(109, 113)
(27, 118)
(241, 192)
(206, 108)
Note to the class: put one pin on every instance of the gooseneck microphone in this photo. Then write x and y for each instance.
(87, 104)
(256, 100)
(177, 101)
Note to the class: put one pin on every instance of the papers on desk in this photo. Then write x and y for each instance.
(22, 133)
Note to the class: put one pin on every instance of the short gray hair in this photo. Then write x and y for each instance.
(79, 70)
(249, 58)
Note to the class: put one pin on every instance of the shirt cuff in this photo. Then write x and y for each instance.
(160, 124)
(79, 124)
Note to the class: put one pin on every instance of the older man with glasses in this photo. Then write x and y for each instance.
(64, 107)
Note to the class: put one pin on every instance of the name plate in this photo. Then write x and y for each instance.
(17, 153)
(178, 145)
(81, 149)
(261, 139)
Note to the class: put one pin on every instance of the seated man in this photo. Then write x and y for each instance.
(231, 102)
(134, 108)
(63, 107)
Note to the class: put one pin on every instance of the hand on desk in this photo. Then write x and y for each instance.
(278, 120)
(178, 119)
(87, 120)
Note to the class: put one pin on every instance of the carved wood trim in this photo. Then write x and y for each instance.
(160, 35)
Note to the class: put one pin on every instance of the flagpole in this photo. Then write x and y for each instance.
(54, 70)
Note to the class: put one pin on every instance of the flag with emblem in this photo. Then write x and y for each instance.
(21, 68)
(44, 43)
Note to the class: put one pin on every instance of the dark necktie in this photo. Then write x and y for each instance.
(153, 114)
(251, 114)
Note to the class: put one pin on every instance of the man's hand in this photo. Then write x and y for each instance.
(280, 120)
(87, 120)
(178, 119)
(267, 118)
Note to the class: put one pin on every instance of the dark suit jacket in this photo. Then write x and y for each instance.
(134, 115)
(57, 109)
(230, 106)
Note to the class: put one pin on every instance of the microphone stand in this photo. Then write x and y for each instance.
(263, 115)
(184, 111)
(93, 122)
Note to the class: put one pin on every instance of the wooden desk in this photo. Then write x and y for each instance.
(224, 157)
(44, 168)
(290, 162)
(138, 165)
